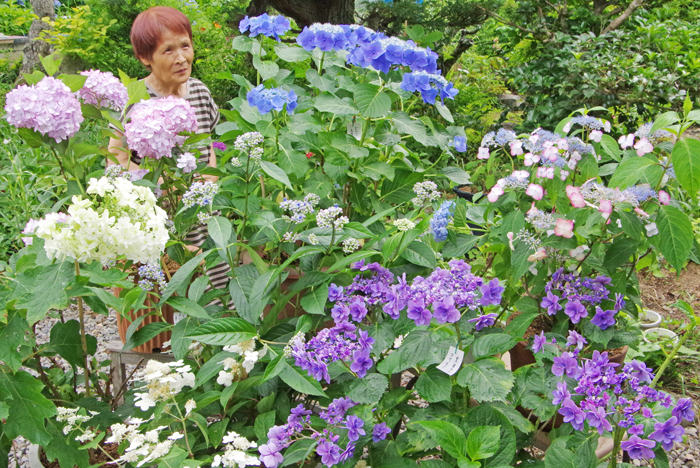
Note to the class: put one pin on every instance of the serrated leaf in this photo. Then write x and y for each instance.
(267, 69)
(450, 437)
(181, 279)
(487, 379)
(420, 253)
(65, 340)
(483, 441)
(291, 53)
(371, 101)
(675, 237)
(13, 334)
(48, 291)
(433, 385)
(328, 102)
(224, 332)
(28, 407)
(629, 172)
(489, 345)
(456, 175)
(188, 307)
(274, 171)
(558, 456)
(368, 390)
(74, 82)
(314, 302)
(145, 333)
(663, 121)
(686, 163)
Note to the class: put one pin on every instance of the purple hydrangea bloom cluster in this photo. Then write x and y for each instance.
(383, 52)
(219, 145)
(103, 89)
(329, 37)
(151, 274)
(281, 437)
(268, 99)
(344, 342)
(580, 293)
(441, 218)
(430, 85)
(155, 124)
(270, 26)
(618, 398)
(49, 107)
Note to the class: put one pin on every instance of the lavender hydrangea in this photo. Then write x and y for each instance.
(266, 25)
(155, 125)
(268, 99)
(49, 107)
(382, 53)
(103, 89)
(327, 37)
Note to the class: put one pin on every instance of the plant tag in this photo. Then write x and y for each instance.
(452, 362)
(177, 316)
(355, 129)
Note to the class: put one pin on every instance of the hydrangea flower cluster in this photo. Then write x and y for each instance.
(426, 192)
(331, 218)
(300, 208)
(233, 368)
(460, 144)
(118, 219)
(270, 26)
(351, 244)
(404, 224)
(115, 171)
(151, 274)
(430, 86)
(103, 89)
(73, 420)
(49, 107)
(155, 124)
(441, 218)
(219, 145)
(234, 452)
(344, 342)
(327, 448)
(329, 37)
(274, 98)
(200, 194)
(187, 162)
(251, 144)
(620, 399)
(383, 52)
(581, 293)
(163, 381)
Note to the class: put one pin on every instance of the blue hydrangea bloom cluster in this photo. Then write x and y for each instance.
(441, 218)
(149, 275)
(439, 296)
(327, 448)
(329, 37)
(266, 25)
(200, 194)
(386, 52)
(430, 86)
(268, 99)
(608, 397)
(300, 208)
(460, 144)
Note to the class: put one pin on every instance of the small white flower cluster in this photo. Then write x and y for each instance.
(144, 447)
(426, 192)
(351, 244)
(290, 237)
(233, 368)
(313, 240)
(118, 219)
(200, 193)
(72, 419)
(234, 454)
(162, 383)
(331, 217)
(250, 143)
(404, 224)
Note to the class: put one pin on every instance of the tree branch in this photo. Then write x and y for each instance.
(614, 24)
(463, 45)
(500, 19)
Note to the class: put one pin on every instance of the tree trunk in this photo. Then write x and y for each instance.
(36, 48)
(307, 12)
(614, 24)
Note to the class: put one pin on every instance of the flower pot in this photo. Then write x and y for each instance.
(663, 334)
(478, 230)
(649, 319)
(154, 345)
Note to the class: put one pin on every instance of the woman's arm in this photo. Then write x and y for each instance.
(118, 148)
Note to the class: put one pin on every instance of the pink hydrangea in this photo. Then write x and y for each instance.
(574, 194)
(102, 89)
(564, 228)
(535, 191)
(155, 124)
(49, 107)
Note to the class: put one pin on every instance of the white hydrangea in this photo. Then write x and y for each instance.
(118, 219)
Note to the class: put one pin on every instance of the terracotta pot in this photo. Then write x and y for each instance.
(155, 345)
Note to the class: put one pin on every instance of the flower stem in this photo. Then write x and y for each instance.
(617, 439)
(83, 340)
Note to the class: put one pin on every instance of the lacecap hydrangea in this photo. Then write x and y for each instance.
(49, 107)
(155, 124)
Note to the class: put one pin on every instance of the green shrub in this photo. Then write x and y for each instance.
(15, 19)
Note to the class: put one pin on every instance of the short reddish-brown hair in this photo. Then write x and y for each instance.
(149, 26)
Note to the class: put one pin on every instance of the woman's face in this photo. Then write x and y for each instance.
(171, 63)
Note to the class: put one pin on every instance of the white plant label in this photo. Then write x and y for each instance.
(452, 362)
(177, 316)
(355, 129)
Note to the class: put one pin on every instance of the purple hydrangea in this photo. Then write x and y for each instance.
(219, 145)
(491, 293)
(329, 37)
(603, 319)
(273, 98)
(354, 427)
(444, 311)
(575, 310)
(483, 321)
(668, 432)
(155, 125)
(103, 89)
(561, 394)
(266, 25)
(380, 431)
(49, 107)
(382, 53)
(431, 86)
(638, 448)
(539, 342)
(551, 303)
(270, 455)
(684, 409)
(572, 414)
(576, 340)
(566, 364)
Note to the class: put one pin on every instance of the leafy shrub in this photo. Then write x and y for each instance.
(15, 19)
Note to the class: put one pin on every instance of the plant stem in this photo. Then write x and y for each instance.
(320, 68)
(83, 340)
(184, 428)
(617, 439)
(672, 355)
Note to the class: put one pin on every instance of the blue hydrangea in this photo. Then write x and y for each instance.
(270, 26)
(385, 52)
(440, 220)
(460, 144)
(329, 37)
(430, 86)
(642, 194)
(267, 99)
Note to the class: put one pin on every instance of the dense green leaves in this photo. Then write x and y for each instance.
(487, 379)
(433, 385)
(27, 407)
(66, 342)
(686, 164)
(368, 390)
(450, 437)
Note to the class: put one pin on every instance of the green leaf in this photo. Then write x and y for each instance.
(444, 111)
(51, 63)
(328, 102)
(273, 369)
(433, 385)
(400, 189)
(675, 237)
(291, 53)
(686, 163)
(219, 229)
(420, 253)
(417, 346)
(240, 287)
(629, 172)
(663, 121)
(489, 345)
(74, 82)
(263, 423)
(292, 162)
(368, 390)
(450, 437)
(137, 92)
(483, 442)
(146, 333)
(302, 383)
(48, 291)
(315, 301)
(212, 367)
(224, 332)
(619, 252)
(188, 307)
(65, 340)
(275, 172)
(28, 407)
(408, 126)
(198, 288)
(266, 68)
(13, 334)
(371, 101)
(610, 147)
(30, 137)
(558, 456)
(456, 175)
(181, 278)
(242, 43)
(298, 451)
(519, 260)
(378, 171)
(487, 379)
(178, 343)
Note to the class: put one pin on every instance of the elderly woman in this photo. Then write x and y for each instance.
(162, 41)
